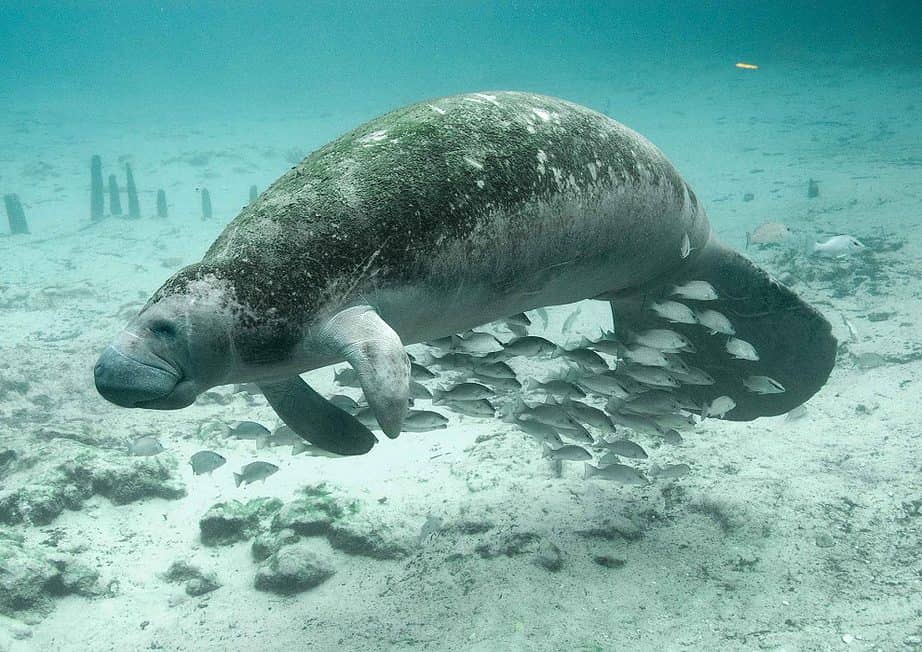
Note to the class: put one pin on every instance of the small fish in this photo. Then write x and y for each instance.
(651, 376)
(693, 376)
(542, 432)
(768, 233)
(697, 290)
(455, 361)
(344, 403)
(551, 415)
(145, 446)
(616, 473)
(588, 360)
(505, 384)
(672, 437)
(675, 363)
(424, 421)
(685, 248)
(205, 462)
(625, 448)
(652, 403)
(644, 355)
(578, 433)
(476, 343)
(568, 452)
(838, 246)
(635, 422)
(282, 436)
(254, 471)
(499, 370)
(521, 320)
(797, 413)
(570, 320)
(347, 377)
(741, 349)
(763, 385)
(674, 311)
(671, 471)
(674, 421)
(559, 388)
(419, 372)
(418, 390)
(463, 392)
(719, 407)
(602, 384)
(714, 321)
(249, 430)
(530, 346)
(590, 415)
(664, 340)
(442, 343)
(478, 408)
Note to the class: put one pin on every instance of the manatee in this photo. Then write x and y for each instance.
(435, 219)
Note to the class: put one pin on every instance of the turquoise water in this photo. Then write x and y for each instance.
(473, 530)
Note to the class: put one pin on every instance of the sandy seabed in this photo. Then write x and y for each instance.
(798, 534)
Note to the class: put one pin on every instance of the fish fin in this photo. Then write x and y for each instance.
(238, 479)
(793, 340)
(376, 353)
(316, 419)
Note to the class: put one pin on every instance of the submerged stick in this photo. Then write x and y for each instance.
(115, 201)
(15, 214)
(161, 203)
(97, 203)
(206, 204)
(134, 208)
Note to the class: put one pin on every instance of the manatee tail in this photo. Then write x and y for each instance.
(793, 342)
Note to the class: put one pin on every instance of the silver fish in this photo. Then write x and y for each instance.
(466, 391)
(838, 246)
(475, 342)
(652, 403)
(569, 452)
(696, 290)
(625, 448)
(344, 403)
(693, 376)
(603, 384)
(664, 340)
(587, 359)
(552, 415)
(249, 430)
(651, 376)
(542, 432)
(477, 408)
(763, 385)
(719, 407)
(505, 384)
(254, 471)
(672, 437)
(644, 355)
(146, 446)
(741, 349)
(521, 320)
(674, 311)
(499, 370)
(635, 422)
(530, 346)
(418, 390)
(714, 321)
(675, 421)
(205, 462)
(424, 421)
(671, 471)
(578, 433)
(559, 388)
(590, 415)
(419, 372)
(616, 473)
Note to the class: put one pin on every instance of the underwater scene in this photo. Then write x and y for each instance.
(473, 325)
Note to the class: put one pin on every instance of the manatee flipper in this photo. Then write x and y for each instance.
(375, 351)
(316, 419)
(793, 340)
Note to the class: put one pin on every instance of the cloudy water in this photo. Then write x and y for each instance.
(460, 326)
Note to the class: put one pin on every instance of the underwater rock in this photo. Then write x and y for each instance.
(54, 485)
(27, 579)
(372, 536)
(548, 557)
(267, 544)
(293, 569)
(313, 513)
(196, 582)
(612, 528)
(76, 576)
(229, 522)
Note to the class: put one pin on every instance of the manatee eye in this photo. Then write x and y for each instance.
(162, 328)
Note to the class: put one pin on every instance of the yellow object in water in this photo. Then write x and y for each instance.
(747, 66)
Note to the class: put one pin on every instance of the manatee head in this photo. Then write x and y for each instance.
(178, 346)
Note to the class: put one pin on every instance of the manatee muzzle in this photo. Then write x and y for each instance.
(131, 381)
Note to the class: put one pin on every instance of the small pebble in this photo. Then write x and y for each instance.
(823, 540)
